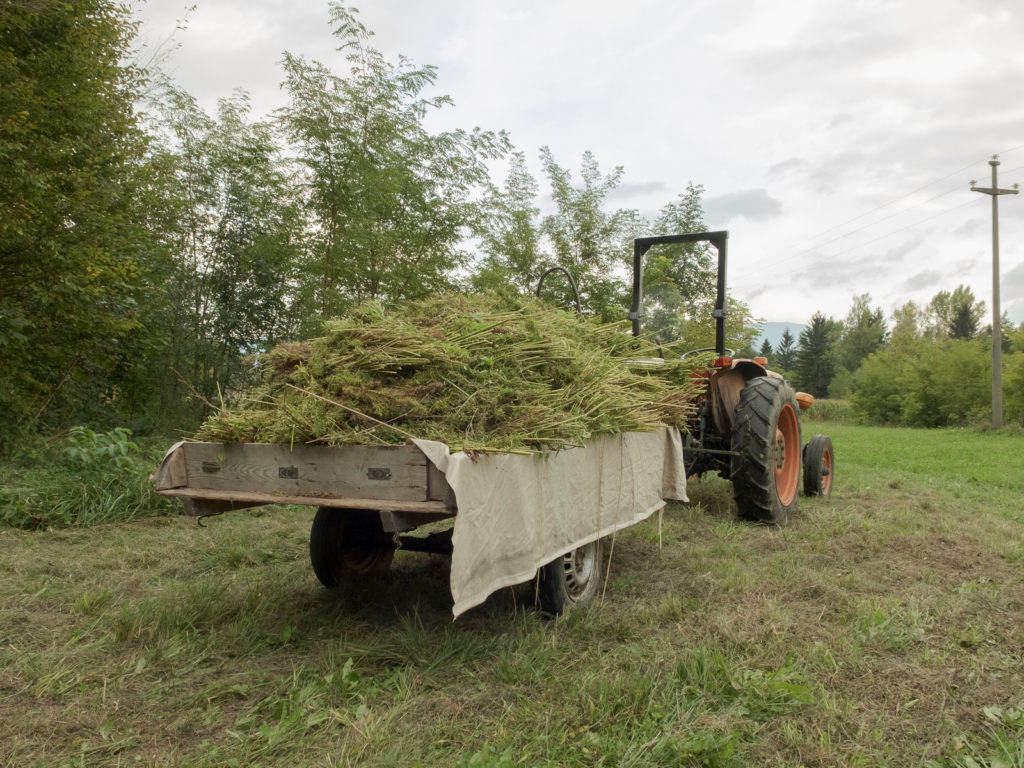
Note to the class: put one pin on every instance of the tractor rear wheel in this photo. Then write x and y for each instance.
(819, 464)
(766, 436)
(344, 543)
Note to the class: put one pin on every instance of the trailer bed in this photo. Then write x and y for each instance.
(215, 477)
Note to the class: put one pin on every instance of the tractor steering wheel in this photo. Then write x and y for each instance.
(728, 352)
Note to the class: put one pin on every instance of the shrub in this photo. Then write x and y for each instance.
(91, 478)
(943, 385)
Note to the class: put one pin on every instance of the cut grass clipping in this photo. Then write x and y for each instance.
(472, 371)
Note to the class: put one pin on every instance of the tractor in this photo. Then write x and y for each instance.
(747, 422)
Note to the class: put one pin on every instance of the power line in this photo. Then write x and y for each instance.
(823, 258)
(845, 235)
(903, 229)
(881, 207)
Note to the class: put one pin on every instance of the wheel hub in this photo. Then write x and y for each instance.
(578, 567)
(780, 450)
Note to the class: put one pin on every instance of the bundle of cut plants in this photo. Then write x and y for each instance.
(476, 372)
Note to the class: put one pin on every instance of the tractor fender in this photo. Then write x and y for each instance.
(725, 388)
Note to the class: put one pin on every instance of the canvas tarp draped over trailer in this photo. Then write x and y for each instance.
(516, 512)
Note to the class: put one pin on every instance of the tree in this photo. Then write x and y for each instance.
(955, 315)
(389, 201)
(679, 279)
(786, 351)
(908, 329)
(585, 239)
(864, 331)
(72, 262)
(224, 206)
(509, 233)
(766, 349)
(815, 365)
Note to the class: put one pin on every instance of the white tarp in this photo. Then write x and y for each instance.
(516, 512)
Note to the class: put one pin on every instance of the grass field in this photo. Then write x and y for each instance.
(881, 627)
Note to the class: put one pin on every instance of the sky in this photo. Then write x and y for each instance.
(836, 140)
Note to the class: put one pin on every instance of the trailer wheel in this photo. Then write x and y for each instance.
(766, 435)
(571, 580)
(819, 465)
(342, 543)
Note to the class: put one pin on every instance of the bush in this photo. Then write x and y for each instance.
(952, 386)
(91, 478)
(944, 385)
(880, 388)
(1013, 388)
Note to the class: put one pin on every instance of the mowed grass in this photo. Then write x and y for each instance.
(881, 627)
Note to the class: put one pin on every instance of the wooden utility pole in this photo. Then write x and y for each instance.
(997, 332)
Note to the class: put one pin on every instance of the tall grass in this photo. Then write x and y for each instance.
(88, 478)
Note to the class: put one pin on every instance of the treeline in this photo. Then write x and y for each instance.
(148, 250)
(931, 368)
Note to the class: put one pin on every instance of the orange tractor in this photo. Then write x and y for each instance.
(747, 423)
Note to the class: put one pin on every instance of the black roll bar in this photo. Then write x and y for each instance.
(641, 245)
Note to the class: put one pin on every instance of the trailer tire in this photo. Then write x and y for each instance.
(819, 466)
(339, 548)
(571, 580)
(766, 438)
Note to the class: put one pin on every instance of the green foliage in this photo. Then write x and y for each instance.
(956, 314)
(585, 239)
(1013, 387)
(946, 384)
(863, 332)
(679, 280)
(72, 257)
(832, 411)
(595, 246)
(785, 353)
(509, 233)
(94, 478)
(88, 451)
(224, 205)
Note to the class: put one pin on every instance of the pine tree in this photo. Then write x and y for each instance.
(815, 366)
(786, 351)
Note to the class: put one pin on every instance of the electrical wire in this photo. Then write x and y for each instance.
(822, 259)
(771, 259)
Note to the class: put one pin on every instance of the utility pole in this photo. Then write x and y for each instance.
(997, 332)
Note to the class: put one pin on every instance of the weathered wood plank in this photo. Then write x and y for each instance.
(391, 473)
(248, 498)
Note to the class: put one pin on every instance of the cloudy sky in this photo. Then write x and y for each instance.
(836, 140)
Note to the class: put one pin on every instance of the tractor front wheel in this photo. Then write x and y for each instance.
(765, 469)
(819, 464)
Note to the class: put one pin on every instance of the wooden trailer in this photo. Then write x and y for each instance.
(514, 516)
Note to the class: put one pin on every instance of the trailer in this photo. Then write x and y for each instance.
(518, 516)
(513, 517)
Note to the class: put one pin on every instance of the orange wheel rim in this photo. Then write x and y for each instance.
(826, 473)
(787, 455)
